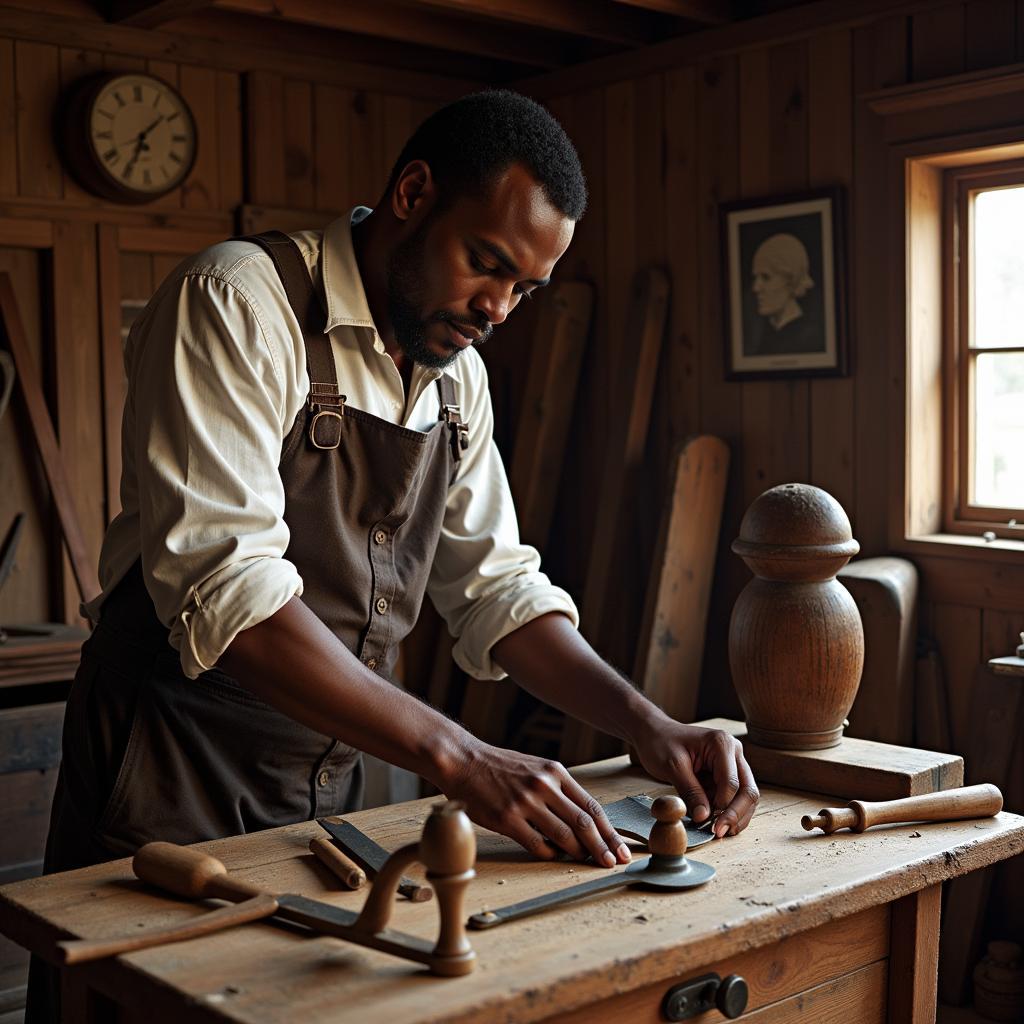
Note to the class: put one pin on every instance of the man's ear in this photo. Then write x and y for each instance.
(414, 190)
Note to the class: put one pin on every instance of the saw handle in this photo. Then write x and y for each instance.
(189, 873)
(982, 801)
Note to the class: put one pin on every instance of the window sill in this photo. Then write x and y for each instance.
(957, 545)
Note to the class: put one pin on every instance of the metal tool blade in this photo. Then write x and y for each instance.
(672, 873)
(370, 856)
(631, 818)
(325, 919)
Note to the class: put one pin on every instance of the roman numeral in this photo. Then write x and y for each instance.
(105, 114)
(137, 93)
(104, 135)
(175, 157)
(110, 156)
(171, 117)
(120, 101)
(178, 138)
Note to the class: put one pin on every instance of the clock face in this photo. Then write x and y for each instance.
(141, 136)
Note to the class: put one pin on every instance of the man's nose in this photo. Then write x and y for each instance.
(494, 304)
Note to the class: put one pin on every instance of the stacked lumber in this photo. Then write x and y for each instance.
(43, 653)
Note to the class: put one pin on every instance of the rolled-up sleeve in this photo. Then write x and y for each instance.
(209, 412)
(484, 581)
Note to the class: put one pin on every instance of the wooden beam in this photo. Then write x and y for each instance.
(152, 13)
(749, 33)
(410, 26)
(325, 57)
(589, 20)
(710, 12)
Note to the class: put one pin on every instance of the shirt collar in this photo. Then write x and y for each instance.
(343, 287)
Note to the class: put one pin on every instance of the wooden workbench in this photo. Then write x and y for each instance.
(837, 928)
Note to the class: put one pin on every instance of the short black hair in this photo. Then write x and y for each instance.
(468, 143)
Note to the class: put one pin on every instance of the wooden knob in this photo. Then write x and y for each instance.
(668, 834)
(448, 843)
(448, 852)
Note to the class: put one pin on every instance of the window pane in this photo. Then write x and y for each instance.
(999, 430)
(999, 268)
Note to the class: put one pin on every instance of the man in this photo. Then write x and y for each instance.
(307, 450)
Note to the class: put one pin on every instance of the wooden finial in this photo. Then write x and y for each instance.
(448, 852)
(668, 833)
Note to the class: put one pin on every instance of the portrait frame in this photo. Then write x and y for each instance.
(786, 316)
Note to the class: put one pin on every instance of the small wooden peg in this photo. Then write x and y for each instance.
(350, 874)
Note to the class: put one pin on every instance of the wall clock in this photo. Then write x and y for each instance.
(128, 137)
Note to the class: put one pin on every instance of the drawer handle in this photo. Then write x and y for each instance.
(709, 992)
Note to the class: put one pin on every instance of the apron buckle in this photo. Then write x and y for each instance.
(459, 430)
(325, 426)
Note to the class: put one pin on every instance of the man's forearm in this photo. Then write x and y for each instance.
(551, 660)
(294, 663)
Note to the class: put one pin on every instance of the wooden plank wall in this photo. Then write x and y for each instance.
(662, 151)
(272, 139)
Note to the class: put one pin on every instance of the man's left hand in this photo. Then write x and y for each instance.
(708, 769)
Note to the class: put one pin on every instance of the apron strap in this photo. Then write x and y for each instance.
(326, 401)
(452, 416)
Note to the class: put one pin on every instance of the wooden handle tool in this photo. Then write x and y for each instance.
(982, 801)
(447, 848)
(350, 874)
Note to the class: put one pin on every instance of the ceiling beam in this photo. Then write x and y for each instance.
(411, 26)
(584, 18)
(153, 13)
(708, 12)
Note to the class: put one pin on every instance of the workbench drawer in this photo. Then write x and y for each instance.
(835, 973)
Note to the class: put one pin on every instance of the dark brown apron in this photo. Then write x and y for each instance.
(150, 754)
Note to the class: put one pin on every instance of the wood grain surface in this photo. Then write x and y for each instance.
(774, 882)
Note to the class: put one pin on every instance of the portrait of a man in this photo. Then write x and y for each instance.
(782, 306)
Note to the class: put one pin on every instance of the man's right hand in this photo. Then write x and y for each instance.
(534, 801)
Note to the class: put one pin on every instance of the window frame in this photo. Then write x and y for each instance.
(960, 185)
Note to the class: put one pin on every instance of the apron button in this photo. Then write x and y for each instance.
(382, 605)
(323, 778)
(380, 536)
(371, 663)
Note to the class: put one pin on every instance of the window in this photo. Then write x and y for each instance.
(983, 464)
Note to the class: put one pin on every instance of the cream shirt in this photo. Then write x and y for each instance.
(216, 376)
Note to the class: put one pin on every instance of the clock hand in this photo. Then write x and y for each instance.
(146, 131)
(140, 145)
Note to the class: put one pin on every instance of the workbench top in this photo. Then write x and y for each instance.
(774, 880)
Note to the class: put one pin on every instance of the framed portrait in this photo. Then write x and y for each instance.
(785, 308)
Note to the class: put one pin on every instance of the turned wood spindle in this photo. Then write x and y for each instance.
(796, 643)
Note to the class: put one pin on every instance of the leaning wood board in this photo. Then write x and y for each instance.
(775, 884)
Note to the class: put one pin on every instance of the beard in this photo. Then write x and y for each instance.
(405, 271)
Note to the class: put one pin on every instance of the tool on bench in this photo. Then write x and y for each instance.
(666, 868)
(447, 848)
(347, 871)
(981, 801)
(631, 818)
(370, 856)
